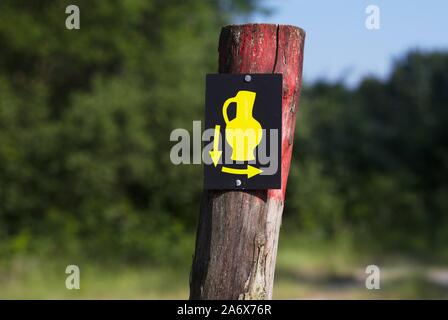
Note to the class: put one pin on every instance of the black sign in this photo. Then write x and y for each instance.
(243, 121)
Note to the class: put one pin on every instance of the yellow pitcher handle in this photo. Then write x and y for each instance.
(224, 108)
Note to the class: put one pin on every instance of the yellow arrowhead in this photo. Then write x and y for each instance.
(252, 171)
(215, 155)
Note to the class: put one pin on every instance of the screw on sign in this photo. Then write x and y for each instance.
(239, 223)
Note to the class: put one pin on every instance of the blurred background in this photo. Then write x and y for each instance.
(85, 173)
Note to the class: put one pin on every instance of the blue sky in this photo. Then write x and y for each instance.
(339, 46)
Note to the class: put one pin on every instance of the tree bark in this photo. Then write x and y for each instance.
(237, 236)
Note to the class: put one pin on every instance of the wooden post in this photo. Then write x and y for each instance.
(237, 236)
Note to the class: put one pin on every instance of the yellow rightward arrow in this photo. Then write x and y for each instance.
(250, 171)
(215, 154)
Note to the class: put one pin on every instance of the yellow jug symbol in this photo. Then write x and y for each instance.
(244, 132)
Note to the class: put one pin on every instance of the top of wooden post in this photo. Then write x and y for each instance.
(268, 48)
(265, 25)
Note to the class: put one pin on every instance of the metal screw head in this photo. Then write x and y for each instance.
(238, 182)
(247, 78)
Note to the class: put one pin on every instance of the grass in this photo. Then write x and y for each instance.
(305, 269)
(35, 279)
(308, 269)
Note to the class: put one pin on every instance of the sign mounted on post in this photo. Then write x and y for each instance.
(244, 115)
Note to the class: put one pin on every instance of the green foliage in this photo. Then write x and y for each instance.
(85, 119)
(372, 161)
(313, 202)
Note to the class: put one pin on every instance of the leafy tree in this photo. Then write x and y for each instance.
(85, 120)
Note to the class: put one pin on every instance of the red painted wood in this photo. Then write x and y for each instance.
(289, 63)
(267, 48)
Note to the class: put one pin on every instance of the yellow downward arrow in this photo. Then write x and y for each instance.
(250, 171)
(215, 154)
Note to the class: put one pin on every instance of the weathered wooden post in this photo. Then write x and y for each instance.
(236, 244)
